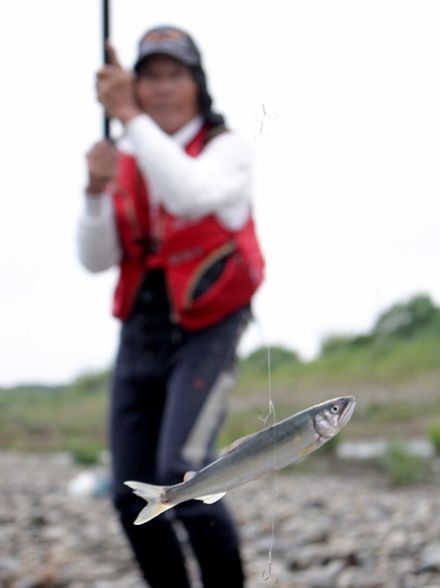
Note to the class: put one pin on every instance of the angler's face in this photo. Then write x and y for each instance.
(166, 91)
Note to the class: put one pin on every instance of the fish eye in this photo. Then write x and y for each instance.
(335, 409)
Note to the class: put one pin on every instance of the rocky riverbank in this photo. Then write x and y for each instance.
(305, 529)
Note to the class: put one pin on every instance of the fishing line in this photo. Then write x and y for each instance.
(271, 409)
(266, 574)
(262, 120)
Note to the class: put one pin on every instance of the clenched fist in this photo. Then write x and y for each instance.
(115, 88)
(102, 161)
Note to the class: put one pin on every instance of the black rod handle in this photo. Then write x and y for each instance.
(105, 37)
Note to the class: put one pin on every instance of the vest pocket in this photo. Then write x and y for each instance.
(209, 277)
(208, 274)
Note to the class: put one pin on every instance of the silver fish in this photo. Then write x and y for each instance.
(273, 448)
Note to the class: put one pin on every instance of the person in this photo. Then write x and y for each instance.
(170, 205)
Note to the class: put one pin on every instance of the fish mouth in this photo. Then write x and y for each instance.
(347, 411)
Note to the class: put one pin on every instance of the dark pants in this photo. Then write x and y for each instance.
(169, 397)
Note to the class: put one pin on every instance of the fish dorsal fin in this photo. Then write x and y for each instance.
(237, 443)
(188, 476)
(211, 498)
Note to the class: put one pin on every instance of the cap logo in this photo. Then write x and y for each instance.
(167, 35)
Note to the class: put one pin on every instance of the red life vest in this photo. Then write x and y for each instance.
(187, 250)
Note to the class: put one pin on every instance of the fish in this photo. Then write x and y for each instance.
(247, 459)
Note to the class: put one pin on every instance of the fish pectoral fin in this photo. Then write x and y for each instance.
(211, 498)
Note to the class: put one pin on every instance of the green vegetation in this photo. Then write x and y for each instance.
(433, 431)
(393, 370)
(70, 417)
(402, 467)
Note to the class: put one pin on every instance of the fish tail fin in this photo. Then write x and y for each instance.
(154, 496)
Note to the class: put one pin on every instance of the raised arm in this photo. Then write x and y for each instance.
(97, 241)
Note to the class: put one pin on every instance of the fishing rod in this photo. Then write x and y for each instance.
(105, 37)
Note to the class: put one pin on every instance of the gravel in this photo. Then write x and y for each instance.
(342, 527)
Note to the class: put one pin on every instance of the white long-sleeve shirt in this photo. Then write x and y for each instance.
(218, 182)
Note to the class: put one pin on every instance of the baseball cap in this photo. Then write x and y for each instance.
(169, 40)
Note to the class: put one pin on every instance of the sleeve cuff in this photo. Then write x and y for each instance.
(95, 204)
